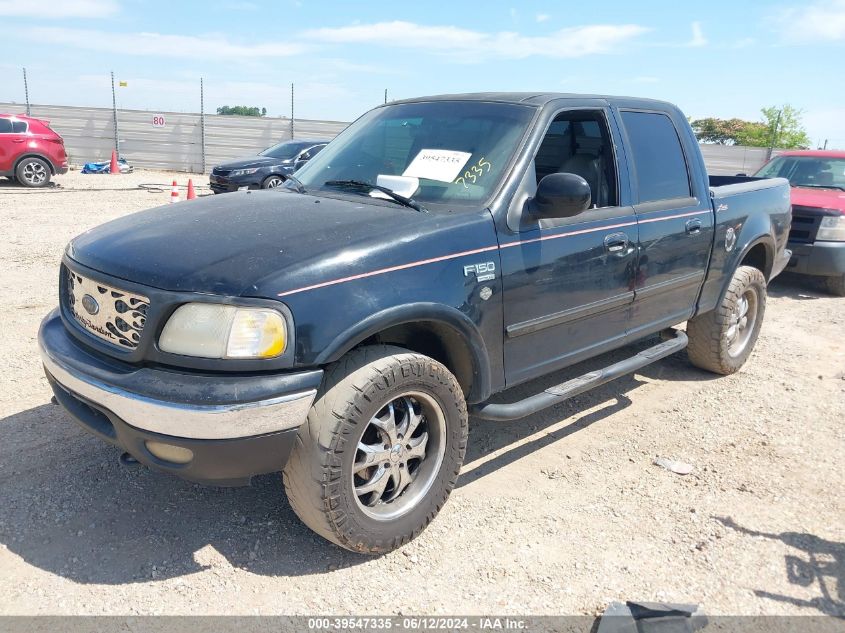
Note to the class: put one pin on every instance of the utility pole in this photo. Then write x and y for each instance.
(385, 96)
(26, 93)
(825, 144)
(774, 136)
(202, 124)
(114, 113)
(291, 111)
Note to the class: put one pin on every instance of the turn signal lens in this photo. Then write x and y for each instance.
(256, 334)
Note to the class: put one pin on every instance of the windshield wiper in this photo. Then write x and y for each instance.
(815, 186)
(297, 183)
(361, 184)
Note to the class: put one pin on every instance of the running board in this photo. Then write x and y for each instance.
(570, 388)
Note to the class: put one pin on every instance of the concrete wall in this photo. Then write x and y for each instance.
(89, 136)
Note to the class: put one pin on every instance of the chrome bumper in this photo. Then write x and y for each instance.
(178, 419)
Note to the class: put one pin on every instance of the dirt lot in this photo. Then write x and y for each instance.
(559, 513)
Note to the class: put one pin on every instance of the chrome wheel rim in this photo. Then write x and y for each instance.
(742, 322)
(34, 173)
(274, 182)
(398, 456)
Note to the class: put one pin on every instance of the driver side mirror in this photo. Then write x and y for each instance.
(561, 196)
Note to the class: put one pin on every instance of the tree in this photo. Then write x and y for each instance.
(242, 110)
(789, 134)
(781, 128)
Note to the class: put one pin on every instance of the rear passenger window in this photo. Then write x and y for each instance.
(658, 158)
(19, 127)
(5, 126)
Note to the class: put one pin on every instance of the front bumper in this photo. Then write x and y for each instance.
(225, 184)
(235, 426)
(820, 258)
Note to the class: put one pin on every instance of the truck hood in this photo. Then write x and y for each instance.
(820, 198)
(256, 243)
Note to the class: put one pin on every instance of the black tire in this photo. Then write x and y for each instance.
(33, 172)
(272, 181)
(836, 285)
(319, 478)
(711, 345)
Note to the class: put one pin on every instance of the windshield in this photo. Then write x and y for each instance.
(807, 171)
(446, 152)
(284, 151)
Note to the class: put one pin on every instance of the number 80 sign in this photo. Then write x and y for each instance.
(158, 120)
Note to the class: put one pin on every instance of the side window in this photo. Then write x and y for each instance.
(19, 127)
(579, 143)
(658, 157)
(5, 126)
(315, 150)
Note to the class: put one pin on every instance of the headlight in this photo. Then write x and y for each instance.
(210, 330)
(244, 172)
(832, 229)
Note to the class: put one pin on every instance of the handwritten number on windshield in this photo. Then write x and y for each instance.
(473, 173)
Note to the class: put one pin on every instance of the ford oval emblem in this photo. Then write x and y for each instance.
(90, 304)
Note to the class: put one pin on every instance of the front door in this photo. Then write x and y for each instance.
(568, 283)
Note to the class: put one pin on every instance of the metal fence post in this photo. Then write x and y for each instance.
(26, 93)
(202, 124)
(291, 111)
(114, 112)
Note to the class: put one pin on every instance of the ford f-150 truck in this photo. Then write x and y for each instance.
(439, 251)
(817, 237)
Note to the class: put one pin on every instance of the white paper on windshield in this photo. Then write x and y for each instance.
(403, 185)
(437, 164)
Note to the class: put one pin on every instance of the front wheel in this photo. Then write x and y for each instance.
(271, 182)
(722, 340)
(380, 451)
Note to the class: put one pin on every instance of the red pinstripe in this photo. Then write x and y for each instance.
(434, 260)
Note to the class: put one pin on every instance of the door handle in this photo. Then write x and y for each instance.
(18, 140)
(616, 243)
(693, 227)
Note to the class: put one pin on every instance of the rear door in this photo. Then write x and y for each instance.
(674, 220)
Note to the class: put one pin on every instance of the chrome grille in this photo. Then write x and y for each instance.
(109, 313)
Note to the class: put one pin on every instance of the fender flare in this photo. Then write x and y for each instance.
(34, 155)
(768, 242)
(409, 313)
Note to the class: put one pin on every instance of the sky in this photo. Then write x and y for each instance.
(723, 58)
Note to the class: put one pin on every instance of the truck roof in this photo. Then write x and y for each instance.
(542, 98)
(816, 153)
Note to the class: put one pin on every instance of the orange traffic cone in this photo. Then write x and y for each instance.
(114, 168)
(191, 193)
(174, 193)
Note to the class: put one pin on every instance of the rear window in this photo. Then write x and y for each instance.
(658, 157)
(19, 127)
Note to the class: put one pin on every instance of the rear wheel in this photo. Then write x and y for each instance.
(271, 182)
(722, 340)
(836, 285)
(380, 451)
(33, 172)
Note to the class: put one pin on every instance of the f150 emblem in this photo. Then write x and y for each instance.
(483, 272)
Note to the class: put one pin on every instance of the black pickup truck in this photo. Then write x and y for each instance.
(341, 328)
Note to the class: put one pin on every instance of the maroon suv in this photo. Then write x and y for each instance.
(30, 152)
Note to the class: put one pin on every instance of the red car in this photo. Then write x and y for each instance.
(30, 152)
(817, 237)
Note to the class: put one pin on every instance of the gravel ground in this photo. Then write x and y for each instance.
(558, 513)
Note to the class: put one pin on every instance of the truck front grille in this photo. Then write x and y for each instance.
(805, 224)
(109, 313)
